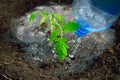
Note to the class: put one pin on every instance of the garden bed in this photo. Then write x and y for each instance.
(13, 63)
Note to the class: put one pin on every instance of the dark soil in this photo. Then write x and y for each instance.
(14, 66)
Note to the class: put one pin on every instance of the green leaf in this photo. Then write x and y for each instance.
(70, 27)
(54, 35)
(33, 15)
(52, 24)
(43, 19)
(64, 40)
(61, 48)
(58, 17)
(65, 45)
(44, 13)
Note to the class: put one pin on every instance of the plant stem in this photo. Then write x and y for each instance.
(61, 31)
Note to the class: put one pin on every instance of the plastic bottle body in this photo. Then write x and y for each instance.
(91, 18)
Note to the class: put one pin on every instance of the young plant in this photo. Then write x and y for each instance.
(57, 27)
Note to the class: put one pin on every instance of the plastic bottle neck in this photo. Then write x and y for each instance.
(81, 31)
(84, 28)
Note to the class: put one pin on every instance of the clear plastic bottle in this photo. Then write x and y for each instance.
(94, 16)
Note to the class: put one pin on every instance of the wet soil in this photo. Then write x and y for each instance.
(14, 66)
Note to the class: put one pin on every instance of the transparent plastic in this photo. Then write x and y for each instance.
(91, 18)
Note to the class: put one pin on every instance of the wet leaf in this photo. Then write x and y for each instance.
(58, 17)
(70, 27)
(33, 15)
(61, 48)
(54, 35)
